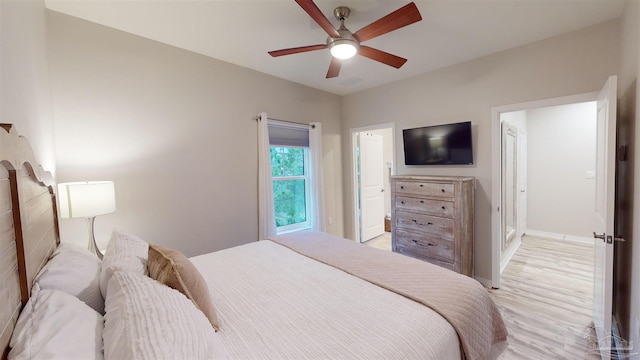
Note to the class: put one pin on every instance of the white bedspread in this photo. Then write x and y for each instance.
(273, 303)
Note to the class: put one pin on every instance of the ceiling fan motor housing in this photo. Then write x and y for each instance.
(345, 40)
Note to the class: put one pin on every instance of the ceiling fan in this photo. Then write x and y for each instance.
(344, 44)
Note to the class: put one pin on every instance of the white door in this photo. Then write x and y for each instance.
(522, 182)
(371, 186)
(604, 206)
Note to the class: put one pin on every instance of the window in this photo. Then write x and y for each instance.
(291, 187)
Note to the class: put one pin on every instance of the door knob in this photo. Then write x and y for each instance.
(602, 237)
(381, 190)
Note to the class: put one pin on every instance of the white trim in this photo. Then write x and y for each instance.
(485, 282)
(354, 173)
(496, 169)
(561, 237)
(509, 254)
(307, 192)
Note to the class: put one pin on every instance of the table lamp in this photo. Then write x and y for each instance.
(87, 200)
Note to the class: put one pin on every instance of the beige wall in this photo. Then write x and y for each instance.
(25, 95)
(627, 255)
(174, 130)
(574, 63)
(561, 149)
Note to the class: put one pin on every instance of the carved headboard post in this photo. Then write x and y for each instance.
(29, 229)
(17, 228)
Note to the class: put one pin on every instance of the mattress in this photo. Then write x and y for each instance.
(273, 303)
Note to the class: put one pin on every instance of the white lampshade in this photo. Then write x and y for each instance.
(86, 199)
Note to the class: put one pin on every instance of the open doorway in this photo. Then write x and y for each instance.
(548, 166)
(373, 163)
(517, 189)
(547, 189)
(543, 286)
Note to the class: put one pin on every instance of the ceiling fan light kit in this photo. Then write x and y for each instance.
(343, 48)
(344, 45)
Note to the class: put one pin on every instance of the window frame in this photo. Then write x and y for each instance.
(307, 190)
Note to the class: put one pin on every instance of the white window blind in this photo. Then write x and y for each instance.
(288, 134)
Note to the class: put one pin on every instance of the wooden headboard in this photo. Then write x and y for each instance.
(28, 226)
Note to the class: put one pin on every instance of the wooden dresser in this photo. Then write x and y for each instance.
(432, 220)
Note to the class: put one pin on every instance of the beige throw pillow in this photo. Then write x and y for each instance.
(175, 270)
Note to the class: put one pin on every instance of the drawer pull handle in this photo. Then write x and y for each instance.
(416, 242)
(421, 201)
(442, 190)
(421, 185)
(421, 224)
(402, 202)
(443, 208)
(401, 187)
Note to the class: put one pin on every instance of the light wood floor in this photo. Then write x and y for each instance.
(545, 299)
(381, 242)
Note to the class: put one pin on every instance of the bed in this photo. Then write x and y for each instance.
(306, 295)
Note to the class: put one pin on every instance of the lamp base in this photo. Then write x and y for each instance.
(93, 247)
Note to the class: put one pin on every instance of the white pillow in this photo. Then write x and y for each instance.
(56, 325)
(75, 271)
(124, 253)
(148, 320)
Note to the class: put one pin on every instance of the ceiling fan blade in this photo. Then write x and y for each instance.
(296, 50)
(312, 9)
(334, 68)
(404, 16)
(381, 56)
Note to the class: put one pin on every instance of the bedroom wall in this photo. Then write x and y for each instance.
(573, 63)
(174, 130)
(561, 149)
(626, 304)
(25, 94)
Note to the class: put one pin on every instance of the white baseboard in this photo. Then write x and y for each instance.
(562, 237)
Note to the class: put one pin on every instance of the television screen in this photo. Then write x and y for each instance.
(448, 144)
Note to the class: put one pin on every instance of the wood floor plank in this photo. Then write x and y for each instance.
(546, 298)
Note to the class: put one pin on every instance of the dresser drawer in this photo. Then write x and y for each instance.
(445, 264)
(433, 207)
(425, 188)
(425, 245)
(434, 225)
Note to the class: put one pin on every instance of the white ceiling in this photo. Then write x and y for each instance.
(242, 31)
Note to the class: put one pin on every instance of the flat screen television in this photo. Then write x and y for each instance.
(447, 144)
